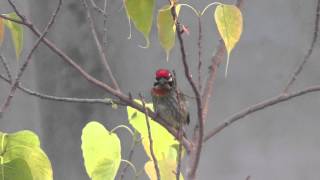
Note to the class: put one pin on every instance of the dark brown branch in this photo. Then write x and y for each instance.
(259, 106)
(310, 50)
(154, 159)
(106, 101)
(195, 155)
(6, 67)
(99, 46)
(26, 63)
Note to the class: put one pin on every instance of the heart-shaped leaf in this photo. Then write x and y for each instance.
(141, 13)
(101, 151)
(25, 145)
(229, 22)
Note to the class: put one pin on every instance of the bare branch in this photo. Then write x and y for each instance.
(310, 50)
(199, 53)
(25, 64)
(195, 156)
(106, 101)
(6, 67)
(101, 51)
(259, 106)
(101, 11)
(105, 18)
(154, 159)
(14, 20)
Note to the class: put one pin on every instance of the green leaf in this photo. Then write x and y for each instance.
(16, 33)
(229, 22)
(1, 31)
(141, 13)
(167, 169)
(17, 169)
(25, 145)
(163, 141)
(101, 151)
(167, 28)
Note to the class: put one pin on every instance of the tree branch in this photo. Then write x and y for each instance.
(154, 159)
(6, 67)
(310, 50)
(106, 101)
(259, 106)
(195, 155)
(99, 46)
(25, 64)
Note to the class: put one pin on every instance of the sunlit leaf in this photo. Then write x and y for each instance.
(229, 22)
(163, 141)
(1, 31)
(16, 33)
(167, 28)
(141, 14)
(101, 151)
(25, 145)
(167, 169)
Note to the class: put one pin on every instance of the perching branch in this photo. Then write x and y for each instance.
(26, 63)
(310, 50)
(154, 159)
(99, 46)
(259, 106)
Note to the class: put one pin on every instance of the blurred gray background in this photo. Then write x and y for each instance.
(279, 143)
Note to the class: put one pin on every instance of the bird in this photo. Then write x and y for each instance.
(168, 102)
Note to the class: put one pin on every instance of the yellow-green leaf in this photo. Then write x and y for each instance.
(163, 142)
(167, 169)
(229, 22)
(16, 33)
(1, 30)
(24, 145)
(141, 13)
(101, 151)
(167, 28)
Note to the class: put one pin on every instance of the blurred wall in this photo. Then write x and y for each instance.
(280, 143)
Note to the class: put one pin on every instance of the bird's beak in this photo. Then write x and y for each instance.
(162, 81)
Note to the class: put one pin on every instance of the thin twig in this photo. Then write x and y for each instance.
(106, 101)
(97, 83)
(6, 67)
(124, 170)
(198, 144)
(310, 50)
(154, 159)
(15, 83)
(199, 53)
(105, 23)
(215, 62)
(101, 51)
(101, 11)
(259, 106)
